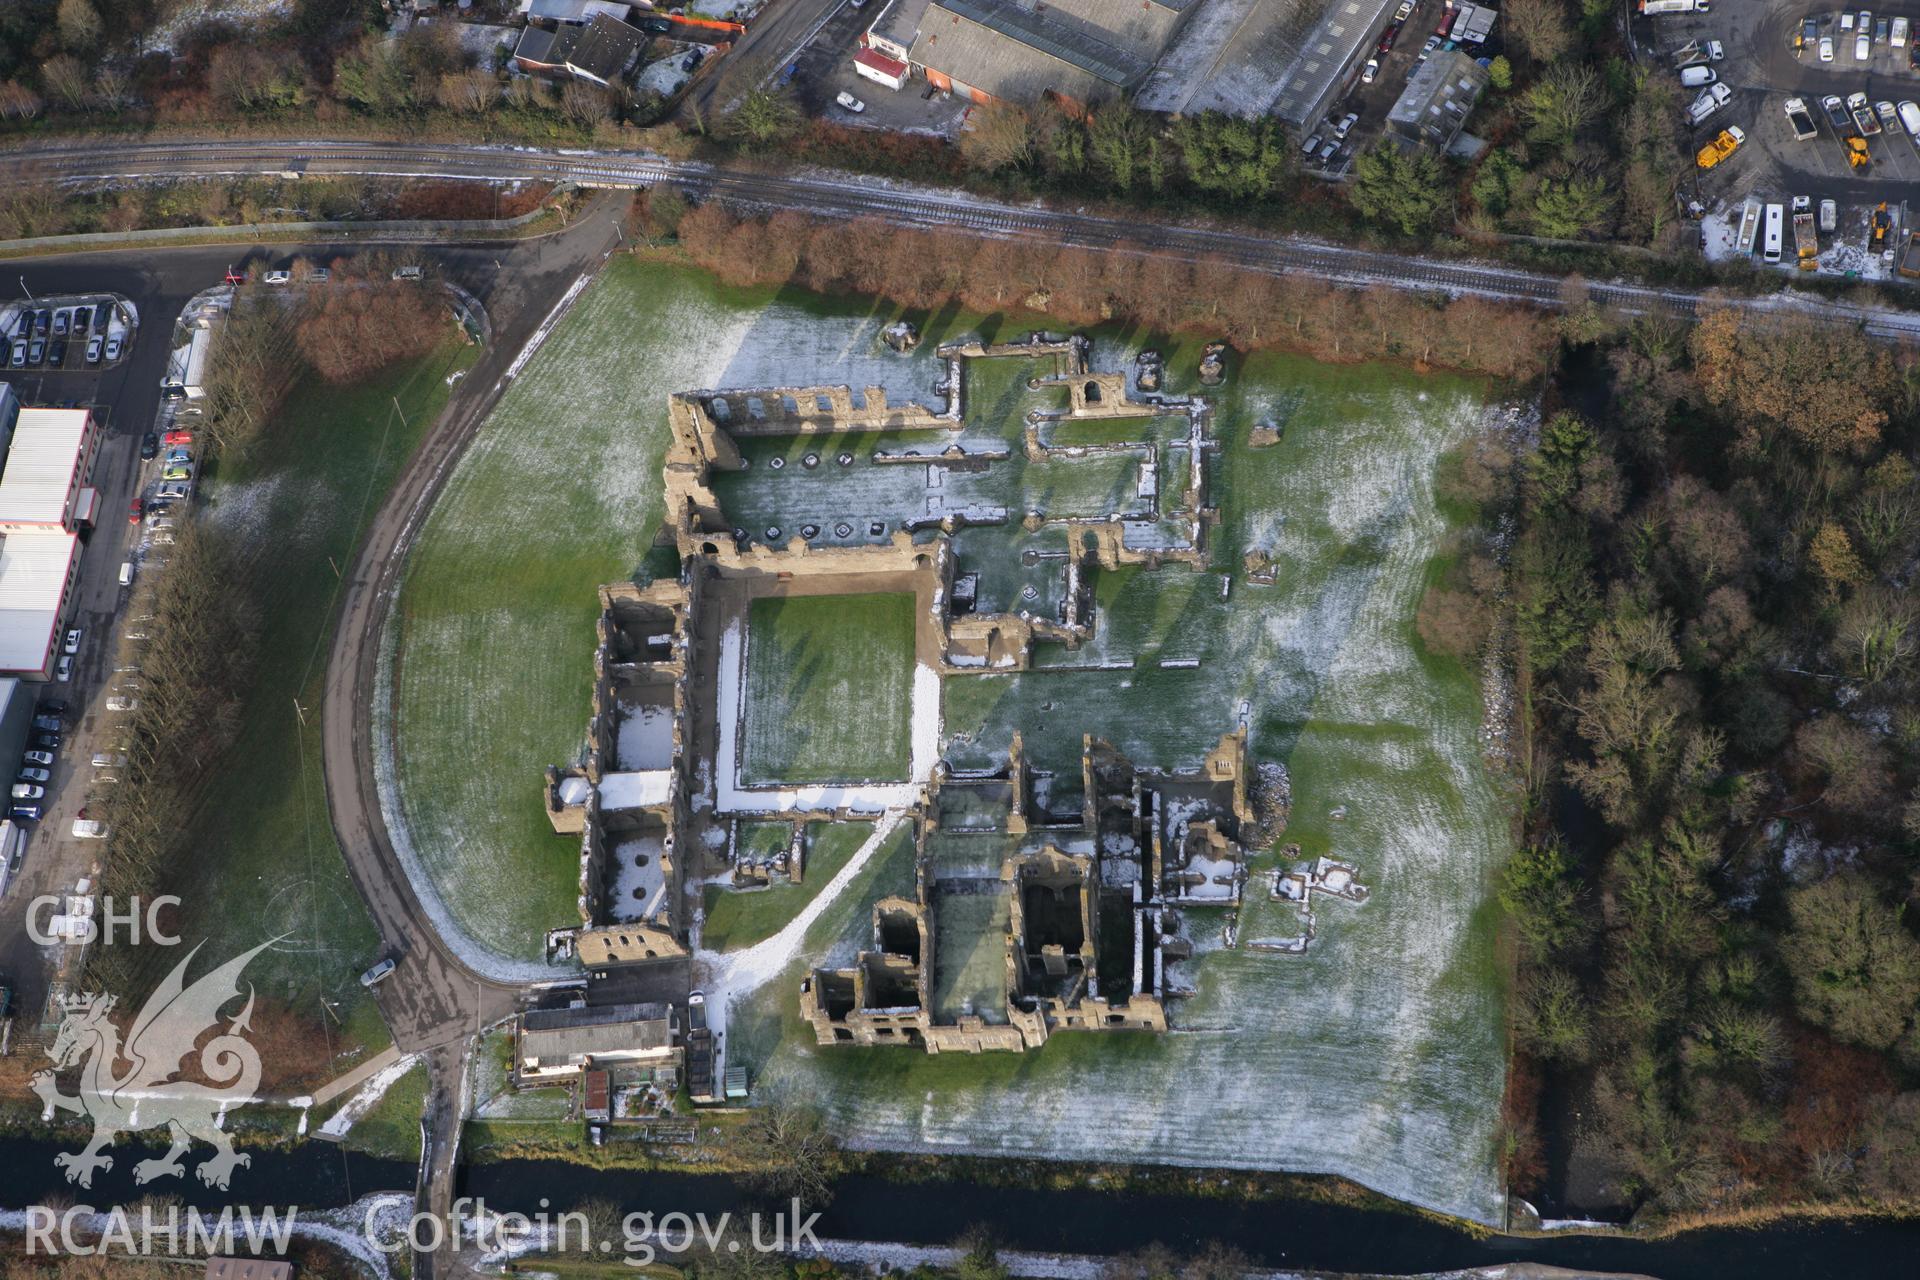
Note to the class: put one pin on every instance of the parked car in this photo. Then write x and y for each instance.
(71, 645)
(85, 828)
(48, 724)
(177, 471)
(1372, 70)
(1387, 38)
(850, 102)
(178, 455)
(1836, 113)
(408, 273)
(1404, 12)
(1346, 124)
(1426, 50)
(57, 353)
(113, 346)
(179, 436)
(1910, 117)
(41, 320)
(133, 511)
(82, 318)
(63, 669)
(100, 314)
(108, 760)
(1880, 26)
(1312, 144)
(379, 973)
(52, 707)
(121, 702)
(276, 277)
(149, 447)
(172, 491)
(1328, 152)
(1862, 49)
(36, 350)
(44, 741)
(42, 758)
(62, 321)
(19, 353)
(28, 791)
(1864, 23)
(24, 812)
(94, 347)
(319, 275)
(1829, 216)
(1697, 77)
(31, 774)
(1889, 118)
(1715, 50)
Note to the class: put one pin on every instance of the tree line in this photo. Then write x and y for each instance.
(924, 269)
(1701, 568)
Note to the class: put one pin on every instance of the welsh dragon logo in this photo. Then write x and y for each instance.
(147, 1095)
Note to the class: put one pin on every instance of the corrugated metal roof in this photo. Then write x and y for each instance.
(555, 1037)
(33, 577)
(38, 476)
(1017, 53)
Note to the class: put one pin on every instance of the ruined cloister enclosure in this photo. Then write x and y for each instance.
(1026, 750)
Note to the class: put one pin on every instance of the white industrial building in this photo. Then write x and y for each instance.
(45, 501)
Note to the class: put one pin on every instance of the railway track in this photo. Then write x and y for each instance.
(826, 194)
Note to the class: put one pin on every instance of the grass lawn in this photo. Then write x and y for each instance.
(829, 690)
(392, 1127)
(294, 507)
(737, 918)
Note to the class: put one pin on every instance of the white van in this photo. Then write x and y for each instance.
(126, 573)
(1900, 29)
(1910, 119)
(1775, 232)
(1697, 77)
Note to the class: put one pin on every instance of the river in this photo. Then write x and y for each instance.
(1292, 1234)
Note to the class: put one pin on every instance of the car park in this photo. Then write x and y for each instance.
(30, 774)
(850, 102)
(94, 346)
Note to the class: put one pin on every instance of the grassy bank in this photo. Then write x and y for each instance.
(294, 508)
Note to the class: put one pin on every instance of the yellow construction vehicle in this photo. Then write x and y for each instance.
(1721, 147)
(1857, 152)
(1882, 223)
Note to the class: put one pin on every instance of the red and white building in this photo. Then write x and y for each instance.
(45, 501)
